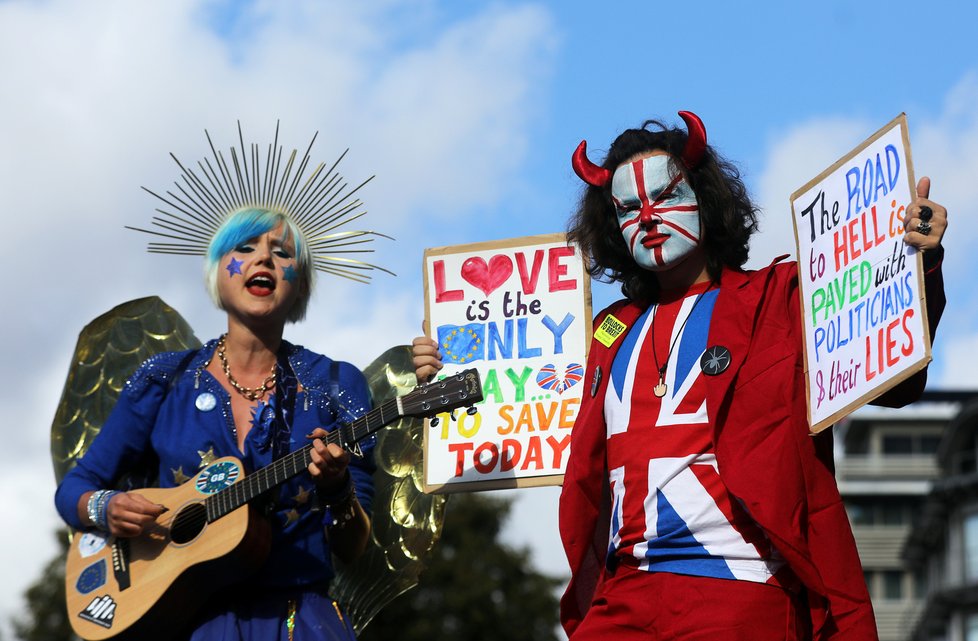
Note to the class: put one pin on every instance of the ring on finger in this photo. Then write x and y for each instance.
(926, 213)
(923, 227)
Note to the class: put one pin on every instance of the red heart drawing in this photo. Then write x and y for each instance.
(489, 277)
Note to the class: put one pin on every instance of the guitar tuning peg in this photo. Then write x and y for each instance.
(472, 411)
(434, 421)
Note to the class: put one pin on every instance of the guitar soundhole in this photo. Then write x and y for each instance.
(188, 523)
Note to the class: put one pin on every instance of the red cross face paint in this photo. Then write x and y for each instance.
(657, 212)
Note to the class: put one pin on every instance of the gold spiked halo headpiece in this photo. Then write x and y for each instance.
(319, 204)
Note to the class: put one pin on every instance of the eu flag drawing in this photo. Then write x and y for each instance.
(462, 343)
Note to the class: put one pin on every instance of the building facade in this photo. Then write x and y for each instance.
(887, 465)
(943, 544)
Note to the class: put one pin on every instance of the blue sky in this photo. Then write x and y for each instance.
(467, 112)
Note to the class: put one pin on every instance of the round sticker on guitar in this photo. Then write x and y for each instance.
(218, 476)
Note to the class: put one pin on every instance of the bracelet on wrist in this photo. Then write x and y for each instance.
(98, 508)
(343, 512)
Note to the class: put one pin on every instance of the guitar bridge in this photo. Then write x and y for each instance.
(120, 562)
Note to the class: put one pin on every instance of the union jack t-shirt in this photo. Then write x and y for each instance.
(670, 509)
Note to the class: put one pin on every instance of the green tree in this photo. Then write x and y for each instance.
(475, 587)
(46, 618)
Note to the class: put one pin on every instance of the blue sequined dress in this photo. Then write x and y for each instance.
(173, 415)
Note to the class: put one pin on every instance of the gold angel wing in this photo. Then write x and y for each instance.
(406, 522)
(109, 350)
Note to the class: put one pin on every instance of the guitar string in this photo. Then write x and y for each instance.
(336, 436)
(277, 466)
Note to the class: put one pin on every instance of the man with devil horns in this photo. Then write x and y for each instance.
(695, 504)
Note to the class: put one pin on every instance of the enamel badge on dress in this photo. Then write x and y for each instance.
(715, 360)
(205, 402)
(596, 381)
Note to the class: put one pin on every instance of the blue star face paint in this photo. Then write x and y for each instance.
(234, 267)
(290, 274)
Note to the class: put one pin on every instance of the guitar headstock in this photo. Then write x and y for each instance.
(452, 392)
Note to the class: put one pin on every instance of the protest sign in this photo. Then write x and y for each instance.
(863, 315)
(519, 311)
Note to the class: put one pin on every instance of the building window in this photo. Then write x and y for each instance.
(898, 444)
(859, 513)
(894, 513)
(971, 546)
(929, 444)
(893, 585)
(906, 443)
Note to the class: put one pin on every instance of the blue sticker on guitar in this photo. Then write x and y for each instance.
(217, 477)
(91, 578)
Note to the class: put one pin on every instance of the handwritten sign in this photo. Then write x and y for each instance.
(518, 310)
(865, 323)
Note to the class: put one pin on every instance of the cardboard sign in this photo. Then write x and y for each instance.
(863, 314)
(519, 311)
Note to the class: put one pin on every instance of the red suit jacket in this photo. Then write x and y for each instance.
(765, 454)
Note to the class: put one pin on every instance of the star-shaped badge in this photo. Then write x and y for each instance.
(234, 267)
(715, 360)
(206, 458)
(178, 476)
(302, 497)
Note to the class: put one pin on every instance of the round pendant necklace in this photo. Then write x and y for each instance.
(250, 393)
(661, 388)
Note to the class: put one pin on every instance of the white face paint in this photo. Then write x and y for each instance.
(657, 212)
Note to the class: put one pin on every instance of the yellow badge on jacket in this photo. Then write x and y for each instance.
(609, 330)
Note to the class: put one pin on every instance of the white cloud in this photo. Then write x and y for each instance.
(945, 147)
(956, 360)
(795, 157)
(95, 94)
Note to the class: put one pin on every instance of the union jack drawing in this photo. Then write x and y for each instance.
(670, 510)
(548, 379)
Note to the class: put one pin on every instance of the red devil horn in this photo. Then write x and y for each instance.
(696, 141)
(587, 170)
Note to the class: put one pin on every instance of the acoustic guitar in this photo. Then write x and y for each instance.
(211, 534)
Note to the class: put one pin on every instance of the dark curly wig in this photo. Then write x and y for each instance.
(727, 215)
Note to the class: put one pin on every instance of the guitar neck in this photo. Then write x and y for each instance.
(292, 464)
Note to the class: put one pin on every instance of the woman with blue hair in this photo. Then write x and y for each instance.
(252, 395)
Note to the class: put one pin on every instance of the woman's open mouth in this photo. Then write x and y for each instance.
(261, 284)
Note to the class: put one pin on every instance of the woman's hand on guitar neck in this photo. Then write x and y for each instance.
(329, 462)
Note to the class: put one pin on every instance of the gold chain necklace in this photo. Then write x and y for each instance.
(250, 393)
